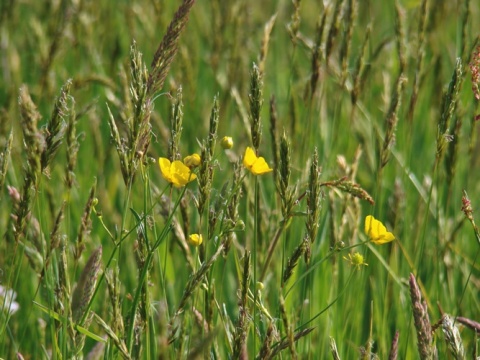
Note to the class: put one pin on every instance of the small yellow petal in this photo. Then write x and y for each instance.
(195, 239)
(249, 158)
(260, 167)
(165, 168)
(181, 174)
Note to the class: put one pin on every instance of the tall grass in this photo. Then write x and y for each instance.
(372, 110)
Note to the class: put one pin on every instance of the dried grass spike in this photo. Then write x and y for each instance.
(85, 288)
(214, 120)
(424, 13)
(176, 127)
(475, 72)
(4, 158)
(243, 322)
(232, 207)
(452, 151)
(351, 188)
(359, 72)
(205, 176)
(287, 192)
(293, 261)
(139, 127)
(394, 347)
(63, 284)
(34, 144)
(72, 146)
(86, 223)
(167, 49)
(266, 349)
(56, 125)
(425, 345)
(273, 134)
(294, 23)
(334, 27)
(317, 54)
(474, 325)
(119, 145)
(55, 237)
(400, 36)
(267, 30)
(452, 337)
(256, 102)
(33, 138)
(448, 108)
(391, 120)
(290, 340)
(333, 349)
(350, 14)
(114, 286)
(314, 198)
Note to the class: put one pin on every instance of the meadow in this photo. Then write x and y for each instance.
(239, 179)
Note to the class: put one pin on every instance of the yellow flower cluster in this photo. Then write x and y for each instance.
(178, 173)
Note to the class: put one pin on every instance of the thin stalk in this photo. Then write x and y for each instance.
(420, 254)
(255, 235)
(320, 261)
(148, 340)
(143, 274)
(271, 249)
(165, 252)
(331, 303)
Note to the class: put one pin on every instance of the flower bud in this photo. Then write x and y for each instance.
(195, 239)
(227, 142)
(192, 161)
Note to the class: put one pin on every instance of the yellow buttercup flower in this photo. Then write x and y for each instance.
(192, 161)
(195, 239)
(377, 232)
(256, 165)
(227, 142)
(176, 173)
(356, 260)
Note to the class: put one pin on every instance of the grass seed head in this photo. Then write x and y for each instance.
(425, 345)
(256, 102)
(86, 285)
(452, 337)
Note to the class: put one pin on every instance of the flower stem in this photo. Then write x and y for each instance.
(255, 236)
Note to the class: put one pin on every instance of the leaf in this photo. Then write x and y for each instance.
(80, 329)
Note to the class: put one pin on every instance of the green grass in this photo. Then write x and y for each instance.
(149, 294)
